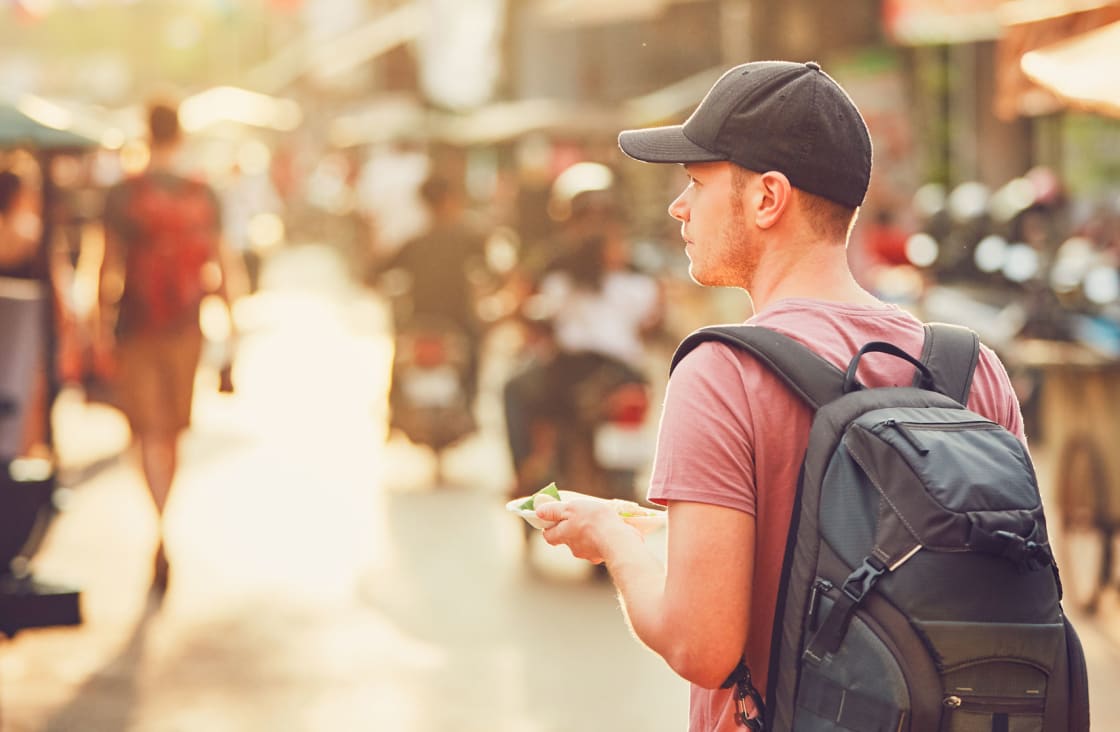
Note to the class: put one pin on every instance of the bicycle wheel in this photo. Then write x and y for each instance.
(1084, 546)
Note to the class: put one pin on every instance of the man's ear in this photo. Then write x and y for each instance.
(777, 194)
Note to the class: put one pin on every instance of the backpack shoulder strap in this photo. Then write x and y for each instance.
(951, 353)
(809, 375)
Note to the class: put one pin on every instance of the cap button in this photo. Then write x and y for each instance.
(813, 65)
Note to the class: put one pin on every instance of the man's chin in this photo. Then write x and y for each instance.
(699, 277)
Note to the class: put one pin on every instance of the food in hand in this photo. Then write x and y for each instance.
(548, 494)
(637, 513)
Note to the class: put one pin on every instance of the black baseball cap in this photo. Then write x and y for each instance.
(771, 115)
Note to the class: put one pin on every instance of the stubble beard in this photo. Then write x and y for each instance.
(733, 262)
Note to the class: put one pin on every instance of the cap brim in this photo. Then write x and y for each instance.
(664, 145)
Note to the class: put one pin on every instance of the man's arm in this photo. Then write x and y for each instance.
(110, 287)
(693, 611)
(228, 280)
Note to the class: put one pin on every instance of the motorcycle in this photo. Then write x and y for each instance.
(602, 445)
(587, 427)
(28, 485)
(432, 387)
(430, 394)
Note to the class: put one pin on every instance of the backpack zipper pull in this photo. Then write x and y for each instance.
(908, 435)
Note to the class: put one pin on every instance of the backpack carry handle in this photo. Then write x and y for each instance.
(852, 384)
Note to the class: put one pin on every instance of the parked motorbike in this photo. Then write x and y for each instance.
(28, 485)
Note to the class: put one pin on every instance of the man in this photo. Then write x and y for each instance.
(778, 161)
(162, 255)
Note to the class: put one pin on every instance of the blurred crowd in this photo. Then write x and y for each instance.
(517, 243)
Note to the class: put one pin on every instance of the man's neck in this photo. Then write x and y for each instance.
(818, 271)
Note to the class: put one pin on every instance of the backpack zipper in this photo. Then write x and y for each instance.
(908, 429)
(907, 435)
(991, 704)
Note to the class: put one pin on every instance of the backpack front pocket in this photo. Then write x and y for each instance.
(941, 486)
(995, 676)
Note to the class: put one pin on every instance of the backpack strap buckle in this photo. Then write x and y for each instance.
(860, 582)
(835, 624)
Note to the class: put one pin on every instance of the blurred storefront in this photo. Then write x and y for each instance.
(949, 50)
(1052, 69)
(980, 114)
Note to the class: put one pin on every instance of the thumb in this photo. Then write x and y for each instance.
(551, 511)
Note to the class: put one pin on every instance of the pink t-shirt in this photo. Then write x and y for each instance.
(733, 435)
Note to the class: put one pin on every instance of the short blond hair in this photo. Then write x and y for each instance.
(828, 219)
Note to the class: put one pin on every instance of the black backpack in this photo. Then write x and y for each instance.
(919, 592)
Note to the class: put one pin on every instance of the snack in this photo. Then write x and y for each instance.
(548, 494)
(645, 520)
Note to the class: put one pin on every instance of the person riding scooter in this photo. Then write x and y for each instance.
(438, 333)
(595, 310)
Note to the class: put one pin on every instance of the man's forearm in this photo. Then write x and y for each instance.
(639, 576)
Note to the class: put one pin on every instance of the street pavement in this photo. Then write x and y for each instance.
(323, 578)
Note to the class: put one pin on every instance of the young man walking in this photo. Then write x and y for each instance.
(777, 161)
(162, 240)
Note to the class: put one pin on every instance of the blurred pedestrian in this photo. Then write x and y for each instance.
(163, 254)
(778, 160)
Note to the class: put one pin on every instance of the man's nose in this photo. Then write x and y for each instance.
(678, 210)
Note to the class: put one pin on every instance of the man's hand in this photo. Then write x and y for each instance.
(587, 527)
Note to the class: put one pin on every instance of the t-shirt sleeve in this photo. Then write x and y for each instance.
(705, 442)
(994, 397)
